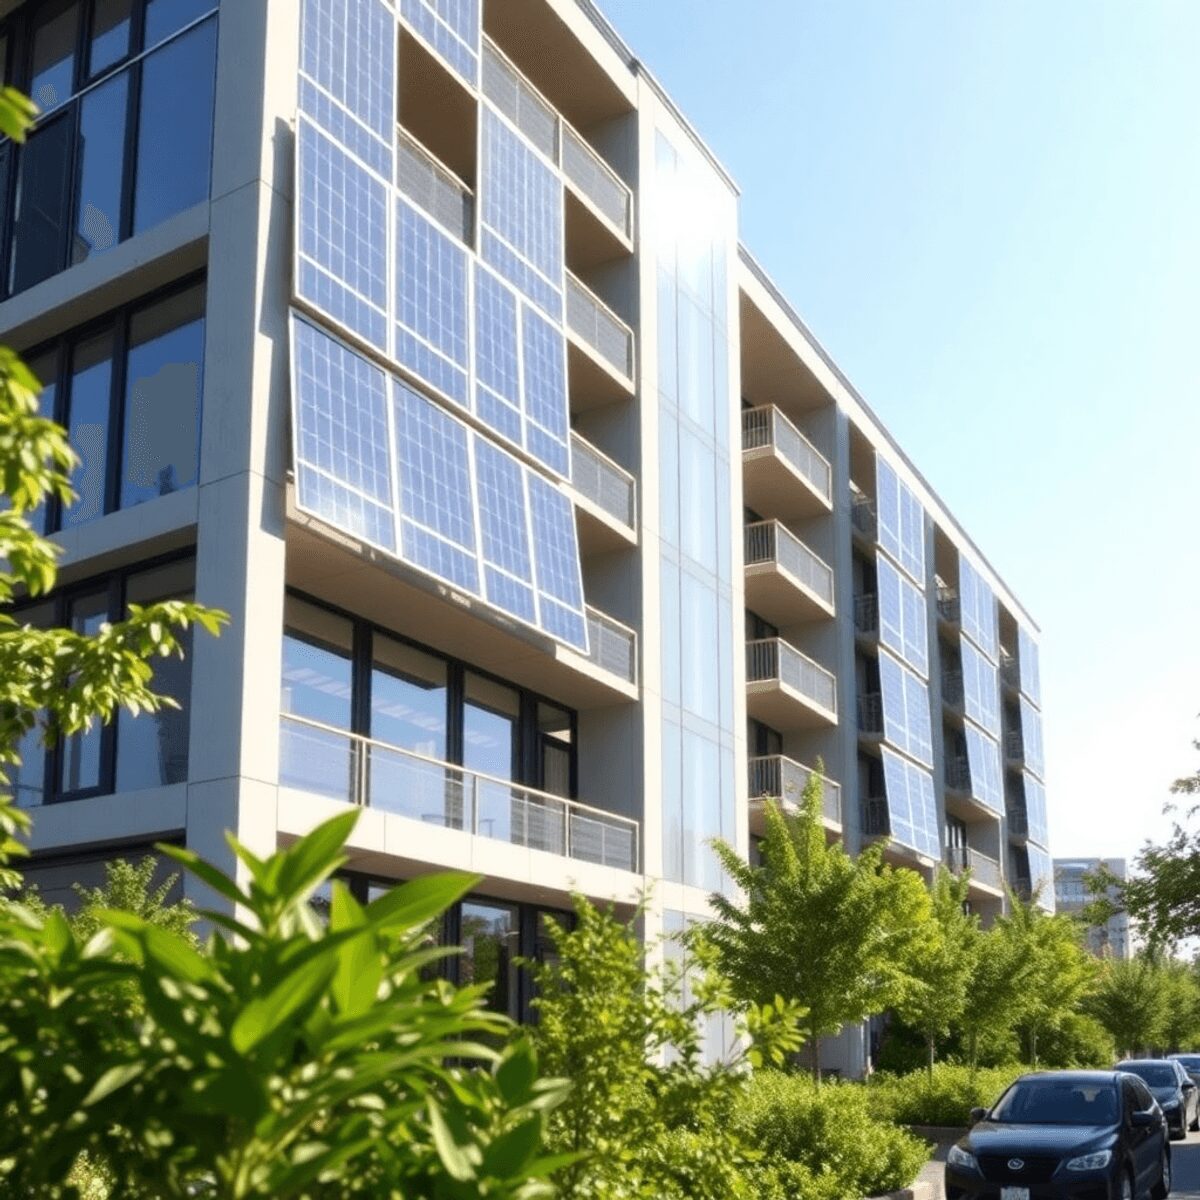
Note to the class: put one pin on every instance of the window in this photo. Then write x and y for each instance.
(125, 141)
(131, 753)
(128, 390)
(490, 943)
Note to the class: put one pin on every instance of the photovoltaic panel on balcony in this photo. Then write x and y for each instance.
(912, 807)
(977, 603)
(903, 616)
(1035, 810)
(906, 716)
(556, 553)
(497, 356)
(1041, 876)
(504, 527)
(981, 689)
(1031, 737)
(901, 521)
(544, 375)
(451, 28)
(1028, 665)
(983, 758)
(341, 237)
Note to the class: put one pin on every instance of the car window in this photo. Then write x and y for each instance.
(1156, 1074)
(1144, 1098)
(1129, 1097)
(1057, 1102)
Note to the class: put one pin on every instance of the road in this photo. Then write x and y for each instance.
(1185, 1161)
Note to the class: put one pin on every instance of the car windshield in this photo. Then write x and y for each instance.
(1057, 1102)
(1190, 1061)
(1160, 1075)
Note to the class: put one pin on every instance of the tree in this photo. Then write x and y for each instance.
(943, 970)
(646, 1115)
(1129, 1000)
(834, 933)
(994, 997)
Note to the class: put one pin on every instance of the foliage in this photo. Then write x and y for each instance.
(1130, 1002)
(824, 1143)
(650, 1118)
(996, 994)
(296, 1059)
(944, 1097)
(1180, 1029)
(942, 972)
(835, 933)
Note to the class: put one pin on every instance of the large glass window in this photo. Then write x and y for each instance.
(27, 778)
(490, 715)
(76, 195)
(490, 942)
(87, 426)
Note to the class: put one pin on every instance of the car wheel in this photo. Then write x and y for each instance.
(1163, 1188)
(1127, 1185)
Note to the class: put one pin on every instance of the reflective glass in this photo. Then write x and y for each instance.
(983, 757)
(699, 626)
(164, 374)
(1031, 736)
(43, 204)
(101, 167)
(52, 73)
(87, 426)
(408, 698)
(504, 529)
(27, 779)
(556, 555)
(977, 603)
(490, 944)
(490, 712)
(981, 689)
(45, 370)
(110, 33)
(1028, 665)
(175, 126)
(165, 17)
(317, 679)
(81, 751)
(497, 359)
(903, 620)
(451, 27)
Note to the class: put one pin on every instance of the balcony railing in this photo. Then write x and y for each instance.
(1014, 746)
(774, 659)
(345, 766)
(607, 485)
(1010, 669)
(983, 869)
(870, 713)
(875, 819)
(520, 101)
(773, 542)
(958, 773)
(592, 319)
(949, 605)
(433, 188)
(778, 777)
(862, 515)
(952, 689)
(612, 645)
(767, 426)
(1018, 819)
(866, 613)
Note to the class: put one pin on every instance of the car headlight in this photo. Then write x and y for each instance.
(1091, 1162)
(958, 1157)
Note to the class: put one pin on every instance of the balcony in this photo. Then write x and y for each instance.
(1018, 820)
(1014, 748)
(432, 188)
(785, 688)
(777, 777)
(958, 774)
(866, 615)
(862, 516)
(949, 606)
(1010, 670)
(870, 715)
(612, 646)
(786, 583)
(952, 690)
(345, 766)
(875, 819)
(783, 473)
(599, 214)
(985, 871)
(609, 519)
(603, 348)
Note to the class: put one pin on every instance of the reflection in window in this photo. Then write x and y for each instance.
(45, 370)
(555, 729)
(490, 714)
(110, 33)
(43, 201)
(82, 751)
(87, 425)
(52, 75)
(165, 17)
(162, 398)
(408, 698)
(27, 779)
(101, 168)
(490, 935)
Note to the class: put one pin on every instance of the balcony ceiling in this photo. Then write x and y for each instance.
(772, 373)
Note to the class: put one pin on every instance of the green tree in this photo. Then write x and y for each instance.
(647, 1115)
(1130, 1001)
(834, 933)
(943, 969)
(995, 996)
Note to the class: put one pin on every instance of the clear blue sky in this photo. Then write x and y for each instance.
(989, 213)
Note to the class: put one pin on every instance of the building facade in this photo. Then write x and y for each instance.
(417, 336)
(1113, 939)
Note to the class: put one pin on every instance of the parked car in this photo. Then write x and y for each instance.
(1190, 1063)
(1173, 1089)
(1065, 1135)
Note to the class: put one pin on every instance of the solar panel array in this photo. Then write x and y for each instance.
(1035, 810)
(906, 722)
(462, 509)
(901, 520)
(912, 807)
(1028, 665)
(983, 758)
(451, 28)
(903, 616)
(977, 603)
(981, 689)
(1031, 735)
(1041, 875)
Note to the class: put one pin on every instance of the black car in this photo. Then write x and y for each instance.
(1190, 1063)
(1173, 1089)
(1065, 1135)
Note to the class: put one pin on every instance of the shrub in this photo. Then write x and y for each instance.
(1080, 1041)
(823, 1143)
(913, 1100)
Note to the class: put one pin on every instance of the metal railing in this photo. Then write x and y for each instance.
(876, 822)
(1010, 669)
(778, 777)
(1014, 745)
(958, 773)
(611, 645)
(952, 689)
(949, 605)
(866, 613)
(599, 326)
(602, 481)
(983, 869)
(862, 515)
(773, 542)
(870, 713)
(767, 426)
(359, 770)
(774, 659)
(1018, 818)
(432, 187)
(520, 101)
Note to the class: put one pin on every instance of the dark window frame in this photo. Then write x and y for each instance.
(526, 755)
(116, 583)
(16, 33)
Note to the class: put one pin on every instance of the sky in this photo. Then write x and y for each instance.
(988, 211)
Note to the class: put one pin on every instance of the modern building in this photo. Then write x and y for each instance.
(417, 336)
(1113, 939)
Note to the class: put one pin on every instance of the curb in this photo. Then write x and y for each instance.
(918, 1191)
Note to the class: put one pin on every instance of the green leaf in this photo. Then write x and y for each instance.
(517, 1073)
(205, 872)
(414, 903)
(263, 1015)
(315, 856)
(360, 965)
(454, 1157)
(510, 1152)
(112, 1079)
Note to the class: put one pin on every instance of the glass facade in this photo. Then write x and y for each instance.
(977, 604)
(695, 243)
(125, 139)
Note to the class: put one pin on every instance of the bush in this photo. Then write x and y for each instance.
(913, 1100)
(1080, 1041)
(823, 1143)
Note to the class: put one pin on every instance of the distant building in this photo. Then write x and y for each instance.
(1071, 892)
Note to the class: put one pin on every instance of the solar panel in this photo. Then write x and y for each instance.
(983, 758)
(431, 303)
(1031, 735)
(339, 418)
(912, 806)
(901, 520)
(451, 28)
(977, 603)
(556, 552)
(1028, 665)
(544, 374)
(1035, 809)
(1041, 875)
(504, 527)
(981, 689)
(903, 617)
(906, 719)
(341, 237)
(497, 356)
